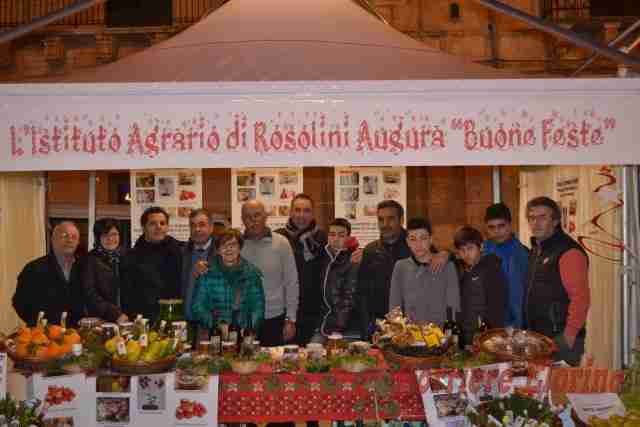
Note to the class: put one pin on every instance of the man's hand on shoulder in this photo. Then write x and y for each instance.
(438, 261)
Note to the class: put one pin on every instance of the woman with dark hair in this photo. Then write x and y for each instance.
(101, 272)
(231, 290)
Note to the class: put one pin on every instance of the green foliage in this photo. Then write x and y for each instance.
(27, 415)
(520, 406)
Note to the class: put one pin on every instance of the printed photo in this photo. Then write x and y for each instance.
(370, 210)
(449, 405)
(173, 213)
(246, 194)
(145, 179)
(113, 410)
(166, 187)
(184, 212)
(391, 194)
(187, 178)
(113, 384)
(349, 178)
(271, 210)
(187, 195)
(350, 210)
(283, 210)
(391, 177)
(189, 380)
(370, 185)
(145, 196)
(288, 177)
(267, 185)
(191, 412)
(59, 422)
(152, 393)
(349, 194)
(246, 179)
(287, 194)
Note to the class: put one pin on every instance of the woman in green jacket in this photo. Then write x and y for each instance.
(231, 290)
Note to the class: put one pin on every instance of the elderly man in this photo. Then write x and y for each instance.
(557, 295)
(52, 283)
(272, 254)
(307, 241)
(199, 249)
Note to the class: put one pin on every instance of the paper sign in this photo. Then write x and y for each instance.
(488, 382)
(65, 398)
(601, 405)
(443, 397)
(196, 406)
(3, 375)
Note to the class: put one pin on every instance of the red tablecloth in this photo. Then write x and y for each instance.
(335, 395)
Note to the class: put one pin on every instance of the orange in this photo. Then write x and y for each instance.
(72, 337)
(65, 348)
(24, 336)
(38, 337)
(22, 349)
(53, 350)
(55, 332)
(41, 351)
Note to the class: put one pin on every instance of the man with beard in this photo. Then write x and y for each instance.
(152, 269)
(307, 241)
(378, 260)
(52, 283)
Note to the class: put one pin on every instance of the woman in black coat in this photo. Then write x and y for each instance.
(101, 272)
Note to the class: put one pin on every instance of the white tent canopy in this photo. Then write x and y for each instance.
(285, 40)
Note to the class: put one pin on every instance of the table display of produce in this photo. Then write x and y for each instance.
(338, 381)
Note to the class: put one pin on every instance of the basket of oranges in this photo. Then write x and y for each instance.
(33, 348)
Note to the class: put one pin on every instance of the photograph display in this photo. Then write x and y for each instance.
(358, 190)
(178, 191)
(274, 187)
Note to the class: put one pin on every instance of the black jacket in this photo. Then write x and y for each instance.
(150, 271)
(339, 285)
(43, 287)
(374, 279)
(483, 292)
(309, 279)
(101, 282)
(546, 300)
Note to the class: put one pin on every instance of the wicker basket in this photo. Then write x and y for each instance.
(143, 368)
(412, 362)
(546, 346)
(29, 363)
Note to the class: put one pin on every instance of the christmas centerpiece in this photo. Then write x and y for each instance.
(410, 344)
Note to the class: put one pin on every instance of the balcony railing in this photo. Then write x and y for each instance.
(559, 10)
(19, 12)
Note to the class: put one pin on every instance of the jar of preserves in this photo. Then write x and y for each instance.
(335, 345)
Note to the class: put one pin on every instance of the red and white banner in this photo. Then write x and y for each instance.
(207, 125)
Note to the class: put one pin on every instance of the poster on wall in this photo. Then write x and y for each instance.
(567, 196)
(178, 191)
(274, 187)
(358, 190)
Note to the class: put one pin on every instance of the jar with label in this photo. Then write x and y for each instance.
(335, 345)
(126, 328)
(290, 353)
(229, 348)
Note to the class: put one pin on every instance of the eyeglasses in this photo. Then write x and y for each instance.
(69, 236)
(111, 235)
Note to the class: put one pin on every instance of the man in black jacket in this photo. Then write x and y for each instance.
(307, 242)
(152, 269)
(52, 283)
(378, 260)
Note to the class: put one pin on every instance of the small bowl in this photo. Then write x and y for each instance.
(244, 367)
(361, 347)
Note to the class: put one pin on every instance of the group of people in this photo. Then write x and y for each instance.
(302, 283)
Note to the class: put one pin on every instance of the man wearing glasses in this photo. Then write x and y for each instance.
(52, 283)
(557, 297)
